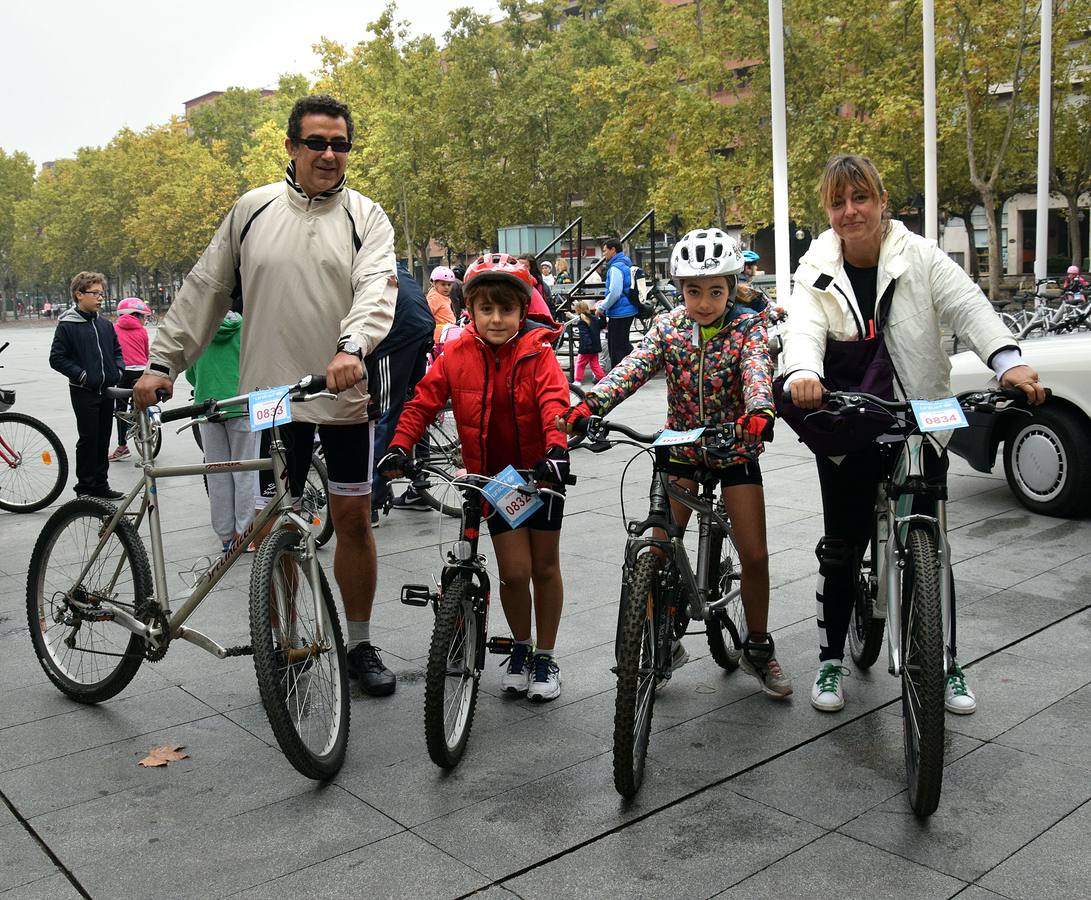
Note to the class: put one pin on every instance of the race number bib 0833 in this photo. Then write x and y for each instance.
(270, 407)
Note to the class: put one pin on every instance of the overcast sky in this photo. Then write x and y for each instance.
(75, 71)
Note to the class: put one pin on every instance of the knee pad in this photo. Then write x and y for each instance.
(833, 554)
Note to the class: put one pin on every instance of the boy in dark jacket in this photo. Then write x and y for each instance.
(86, 350)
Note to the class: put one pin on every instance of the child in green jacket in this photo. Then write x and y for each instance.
(215, 376)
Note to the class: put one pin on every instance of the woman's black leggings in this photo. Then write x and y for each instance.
(848, 508)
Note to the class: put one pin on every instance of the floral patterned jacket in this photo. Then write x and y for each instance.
(709, 382)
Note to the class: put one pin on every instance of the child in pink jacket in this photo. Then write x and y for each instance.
(133, 337)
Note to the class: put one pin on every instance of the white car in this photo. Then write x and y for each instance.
(1047, 453)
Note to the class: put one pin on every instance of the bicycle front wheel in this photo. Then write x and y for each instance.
(725, 625)
(33, 464)
(299, 657)
(83, 651)
(451, 680)
(636, 674)
(922, 672)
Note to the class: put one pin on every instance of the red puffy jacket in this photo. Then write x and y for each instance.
(465, 373)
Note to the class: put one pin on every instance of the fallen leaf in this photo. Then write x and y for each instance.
(160, 756)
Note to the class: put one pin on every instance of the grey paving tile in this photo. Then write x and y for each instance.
(22, 859)
(395, 867)
(1010, 690)
(235, 853)
(93, 726)
(1052, 865)
(658, 858)
(52, 887)
(219, 751)
(1009, 615)
(555, 812)
(415, 790)
(1065, 644)
(1060, 732)
(1017, 794)
(841, 775)
(976, 892)
(837, 866)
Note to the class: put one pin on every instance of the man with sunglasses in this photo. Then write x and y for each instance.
(310, 263)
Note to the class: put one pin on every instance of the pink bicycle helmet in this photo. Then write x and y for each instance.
(133, 305)
(443, 273)
(1073, 270)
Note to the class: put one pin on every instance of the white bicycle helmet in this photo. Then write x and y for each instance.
(704, 252)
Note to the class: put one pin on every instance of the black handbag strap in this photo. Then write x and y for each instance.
(883, 305)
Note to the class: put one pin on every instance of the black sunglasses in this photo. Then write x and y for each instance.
(319, 145)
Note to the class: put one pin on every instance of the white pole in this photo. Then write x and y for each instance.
(931, 199)
(781, 243)
(1045, 83)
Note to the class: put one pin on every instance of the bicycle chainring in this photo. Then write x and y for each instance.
(150, 613)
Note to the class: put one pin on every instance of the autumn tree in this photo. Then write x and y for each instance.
(16, 183)
(1070, 175)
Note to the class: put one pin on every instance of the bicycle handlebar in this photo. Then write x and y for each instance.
(307, 386)
(597, 429)
(844, 401)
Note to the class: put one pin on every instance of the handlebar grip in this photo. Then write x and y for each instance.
(569, 478)
(312, 384)
(162, 395)
(187, 412)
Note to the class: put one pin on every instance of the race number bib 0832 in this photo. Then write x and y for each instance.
(512, 505)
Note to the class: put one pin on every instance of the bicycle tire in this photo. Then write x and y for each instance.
(444, 453)
(120, 572)
(449, 714)
(316, 501)
(922, 672)
(287, 684)
(636, 674)
(722, 629)
(865, 631)
(38, 455)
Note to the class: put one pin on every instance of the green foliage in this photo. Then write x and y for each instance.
(16, 184)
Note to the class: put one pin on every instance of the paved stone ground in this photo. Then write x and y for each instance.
(743, 797)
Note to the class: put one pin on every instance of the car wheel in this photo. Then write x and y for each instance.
(1047, 460)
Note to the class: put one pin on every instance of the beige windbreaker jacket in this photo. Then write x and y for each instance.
(930, 287)
(305, 286)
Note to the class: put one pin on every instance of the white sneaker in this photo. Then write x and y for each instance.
(545, 682)
(679, 657)
(827, 693)
(957, 697)
(516, 677)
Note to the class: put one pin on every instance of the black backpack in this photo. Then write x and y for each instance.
(645, 308)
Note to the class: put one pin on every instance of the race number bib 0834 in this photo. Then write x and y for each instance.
(939, 415)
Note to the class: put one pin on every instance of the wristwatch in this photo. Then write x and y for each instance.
(351, 347)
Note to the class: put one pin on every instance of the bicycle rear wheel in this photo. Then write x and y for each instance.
(865, 631)
(299, 657)
(725, 626)
(445, 454)
(33, 464)
(922, 672)
(316, 501)
(637, 663)
(451, 680)
(85, 654)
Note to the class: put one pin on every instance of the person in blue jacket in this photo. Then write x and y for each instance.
(86, 350)
(616, 306)
(394, 368)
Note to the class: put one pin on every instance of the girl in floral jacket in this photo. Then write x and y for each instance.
(718, 371)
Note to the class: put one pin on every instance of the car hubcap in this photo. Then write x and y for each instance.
(1040, 462)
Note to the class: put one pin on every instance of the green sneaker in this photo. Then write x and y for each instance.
(957, 697)
(827, 693)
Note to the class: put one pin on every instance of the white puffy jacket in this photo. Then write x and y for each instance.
(930, 286)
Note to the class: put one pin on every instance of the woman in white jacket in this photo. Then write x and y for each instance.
(838, 285)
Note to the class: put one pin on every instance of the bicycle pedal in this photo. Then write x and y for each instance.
(417, 594)
(500, 645)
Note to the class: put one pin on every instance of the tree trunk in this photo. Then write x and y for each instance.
(1073, 202)
(988, 200)
(967, 213)
(406, 233)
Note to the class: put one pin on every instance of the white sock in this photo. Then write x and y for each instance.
(359, 633)
(529, 642)
(541, 651)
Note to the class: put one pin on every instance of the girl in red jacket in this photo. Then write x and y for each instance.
(506, 388)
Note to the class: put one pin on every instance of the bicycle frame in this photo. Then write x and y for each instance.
(893, 516)
(279, 509)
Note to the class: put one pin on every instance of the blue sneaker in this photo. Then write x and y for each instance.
(545, 684)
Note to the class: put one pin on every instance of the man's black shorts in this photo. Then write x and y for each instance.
(348, 450)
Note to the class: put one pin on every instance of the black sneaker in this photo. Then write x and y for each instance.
(411, 499)
(366, 666)
(102, 492)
